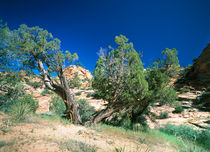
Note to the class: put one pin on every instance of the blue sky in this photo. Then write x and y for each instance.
(84, 26)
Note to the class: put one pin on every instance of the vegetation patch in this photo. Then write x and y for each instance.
(201, 137)
(76, 146)
(46, 91)
(163, 115)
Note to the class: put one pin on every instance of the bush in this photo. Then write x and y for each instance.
(163, 115)
(184, 90)
(57, 105)
(34, 84)
(46, 91)
(89, 95)
(78, 93)
(178, 109)
(19, 111)
(201, 137)
(85, 109)
(32, 103)
(90, 88)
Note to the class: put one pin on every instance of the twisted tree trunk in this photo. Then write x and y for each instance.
(63, 91)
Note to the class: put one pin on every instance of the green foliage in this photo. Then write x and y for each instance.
(79, 64)
(184, 90)
(54, 117)
(57, 105)
(46, 91)
(75, 81)
(32, 103)
(121, 70)
(163, 115)
(201, 137)
(170, 63)
(178, 108)
(11, 89)
(158, 86)
(19, 111)
(89, 95)
(120, 79)
(78, 93)
(85, 110)
(34, 84)
(204, 99)
(132, 120)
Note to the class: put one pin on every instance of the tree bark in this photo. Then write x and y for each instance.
(63, 91)
(118, 107)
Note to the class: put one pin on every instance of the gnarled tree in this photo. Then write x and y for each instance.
(121, 80)
(38, 50)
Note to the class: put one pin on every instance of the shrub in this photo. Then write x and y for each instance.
(96, 94)
(186, 132)
(19, 111)
(178, 109)
(184, 90)
(78, 93)
(76, 146)
(163, 115)
(46, 91)
(34, 84)
(89, 95)
(90, 88)
(85, 109)
(57, 105)
(32, 103)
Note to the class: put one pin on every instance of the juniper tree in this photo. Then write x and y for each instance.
(170, 62)
(120, 79)
(37, 49)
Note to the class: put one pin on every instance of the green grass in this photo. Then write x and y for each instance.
(152, 137)
(187, 133)
(53, 117)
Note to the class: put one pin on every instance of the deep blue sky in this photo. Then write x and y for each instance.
(84, 26)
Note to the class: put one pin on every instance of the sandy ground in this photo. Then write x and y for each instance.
(45, 135)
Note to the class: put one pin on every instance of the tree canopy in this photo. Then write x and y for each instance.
(121, 80)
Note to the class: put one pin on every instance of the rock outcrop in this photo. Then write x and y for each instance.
(201, 67)
(83, 74)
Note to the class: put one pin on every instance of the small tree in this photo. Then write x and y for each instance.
(120, 79)
(170, 63)
(37, 49)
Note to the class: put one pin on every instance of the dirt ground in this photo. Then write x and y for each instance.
(46, 135)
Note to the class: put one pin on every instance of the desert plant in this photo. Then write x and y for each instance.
(19, 111)
(178, 109)
(76, 146)
(85, 109)
(34, 84)
(120, 79)
(163, 115)
(89, 95)
(170, 63)
(32, 103)
(57, 105)
(46, 91)
(184, 90)
(90, 88)
(78, 93)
